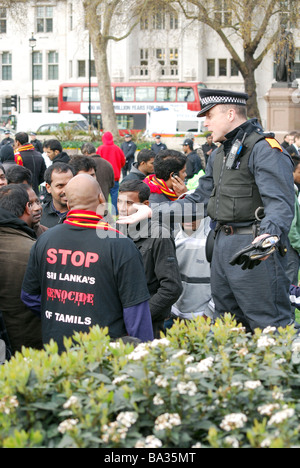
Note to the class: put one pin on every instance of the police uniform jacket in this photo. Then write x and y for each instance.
(272, 171)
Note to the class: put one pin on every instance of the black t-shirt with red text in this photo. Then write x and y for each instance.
(85, 277)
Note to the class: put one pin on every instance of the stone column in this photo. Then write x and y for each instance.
(283, 112)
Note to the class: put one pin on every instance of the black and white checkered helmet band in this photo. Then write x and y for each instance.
(206, 101)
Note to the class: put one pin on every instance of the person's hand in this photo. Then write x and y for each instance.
(259, 238)
(142, 212)
(179, 186)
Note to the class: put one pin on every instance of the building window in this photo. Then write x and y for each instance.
(3, 12)
(297, 63)
(144, 55)
(37, 65)
(81, 69)
(222, 67)
(159, 20)
(173, 21)
(6, 66)
(288, 13)
(71, 17)
(222, 13)
(81, 72)
(144, 23)
(52, 65)
(6, 106)
(211, 68)
(93, 68)
(44, 19)
(53, 104)
(234, 71)
(37, 104)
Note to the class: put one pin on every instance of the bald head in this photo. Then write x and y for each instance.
(83, 193)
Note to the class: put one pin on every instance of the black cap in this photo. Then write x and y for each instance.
(212, 97)
(188, 142)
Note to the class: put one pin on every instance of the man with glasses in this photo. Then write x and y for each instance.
(17, 237)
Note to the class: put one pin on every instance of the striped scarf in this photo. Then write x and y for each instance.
(18, 157)
(159, 186)
(87, 219)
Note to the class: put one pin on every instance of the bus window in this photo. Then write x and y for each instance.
(185, 95)
(166, 93)
(125, 93)
(145, 93)
(94, 94)
(72, 94)
(125, 122)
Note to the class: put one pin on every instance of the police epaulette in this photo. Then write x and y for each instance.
(274, 143)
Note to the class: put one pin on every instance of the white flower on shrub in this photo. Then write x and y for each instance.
(233, 421)
(139, 352)
(150, 442)
(67, 425)
(296, 346)
(167, 421)
(179, 354)
(269, 329)
(157, 400)
(117, 430)
(277, 395)
(252, 384)
(189, 359)
(187, 388)
(8, 403)
(268, 409)
(202, 366)
(113, 431)
(72, 401)
(233, 441)
(161, 381)
(162, 341)
(120, 379)
(127, 418)
(265, 341)
(281, 416)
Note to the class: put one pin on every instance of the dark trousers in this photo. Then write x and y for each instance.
(127, 168)
(259, 297)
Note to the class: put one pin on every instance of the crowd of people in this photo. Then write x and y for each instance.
(132, 240)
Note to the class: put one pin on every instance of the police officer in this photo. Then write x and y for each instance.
(129, 148)
(249, 176)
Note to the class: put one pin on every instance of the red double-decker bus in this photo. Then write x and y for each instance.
(132, 101)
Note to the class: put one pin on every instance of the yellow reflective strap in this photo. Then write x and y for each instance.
(274, 143)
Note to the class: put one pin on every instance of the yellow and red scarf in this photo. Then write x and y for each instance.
(18, 157)
(159, 186)
(87, 219)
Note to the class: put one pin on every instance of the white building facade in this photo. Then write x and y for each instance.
(169, 49)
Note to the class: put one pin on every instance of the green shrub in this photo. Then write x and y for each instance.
(202, 385)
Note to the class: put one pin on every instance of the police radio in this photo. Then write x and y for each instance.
(235, 152)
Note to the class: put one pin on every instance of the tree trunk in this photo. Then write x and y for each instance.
(107, 108)
(250, 87)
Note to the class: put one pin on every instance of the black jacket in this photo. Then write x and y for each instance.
(35, 162)
(129, 149)
(193, 164)
(50, 216)
(134, 174)
(61, 157)
(158, 251)
(38, 145)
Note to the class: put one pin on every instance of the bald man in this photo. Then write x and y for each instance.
(84, 273)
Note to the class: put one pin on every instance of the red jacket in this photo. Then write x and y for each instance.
(112, 153)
